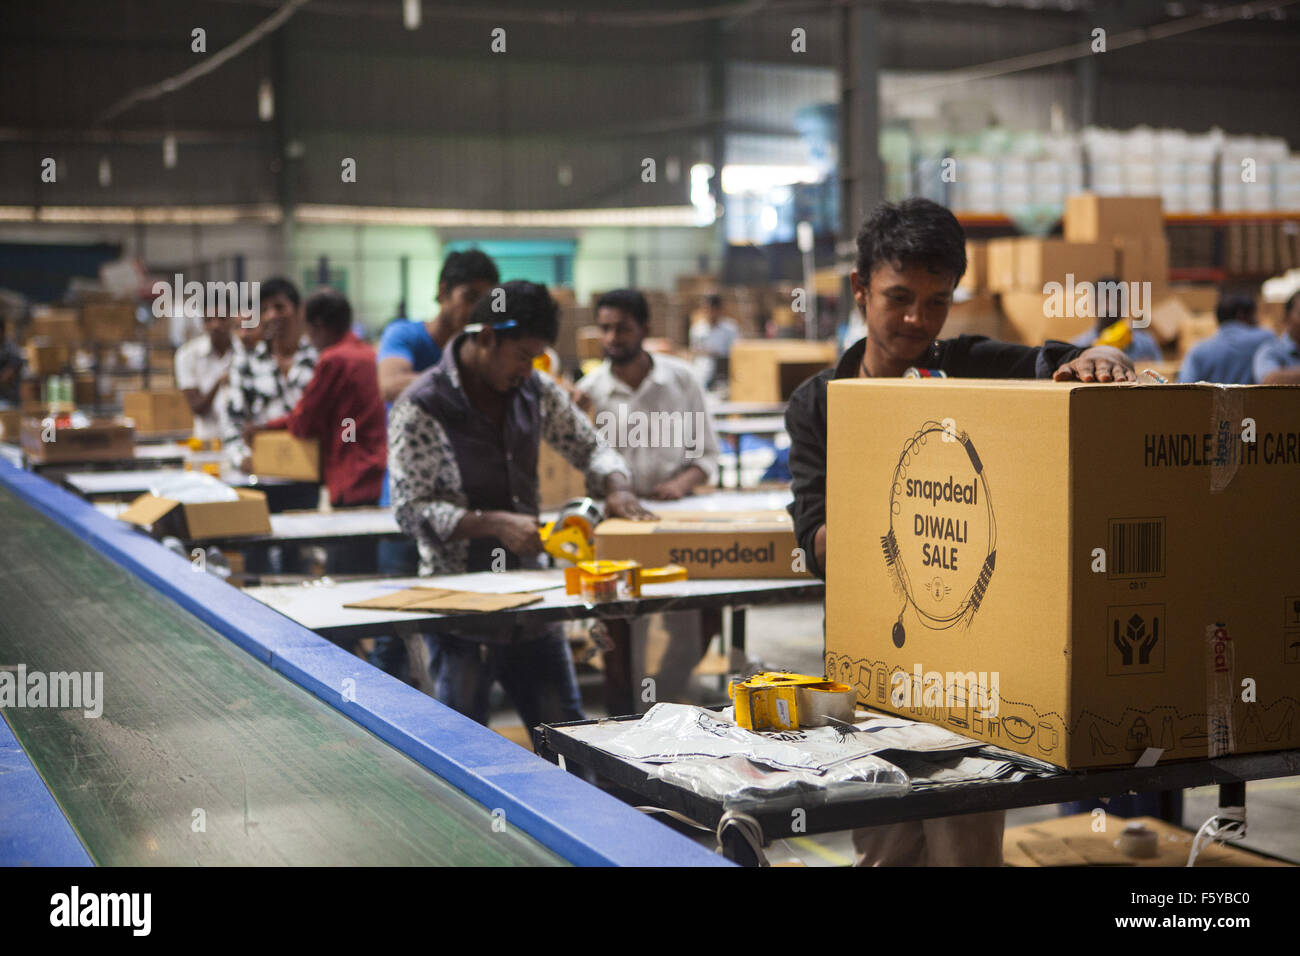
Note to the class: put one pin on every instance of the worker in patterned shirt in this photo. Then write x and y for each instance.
(462, 459)
(267, 381)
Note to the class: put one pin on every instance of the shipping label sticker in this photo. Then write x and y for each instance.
(1136, 636)
(941, 542)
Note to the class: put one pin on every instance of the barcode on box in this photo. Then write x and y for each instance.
(1137, 548)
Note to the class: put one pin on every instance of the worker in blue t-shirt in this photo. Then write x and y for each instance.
(407, 348)
(1229, 356)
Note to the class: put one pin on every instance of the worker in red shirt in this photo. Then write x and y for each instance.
(341, 406)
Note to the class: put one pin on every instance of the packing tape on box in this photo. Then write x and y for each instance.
(1225, 426)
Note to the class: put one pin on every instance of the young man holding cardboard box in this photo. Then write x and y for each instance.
(463, 441)
(910, 259)
(341, 407)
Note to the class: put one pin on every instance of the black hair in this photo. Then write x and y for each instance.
(1290, 303)
(715, 301)
(529, 311)
(461, 268)
(914, 232)
(278, 285)
(330, 308)
(1235, 307)
(626, 300)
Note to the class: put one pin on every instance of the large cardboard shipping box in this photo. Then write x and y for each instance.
(769, 371)
(1040, 261)
(158, 412)
(709, 544)
(1093, 218)
(202, 520)
(1089, 574)
(277, 454)
(101, 440)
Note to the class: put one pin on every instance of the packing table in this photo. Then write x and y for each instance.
(321, 609)
(777, 821)
(125, 485)
(144, 455)
(216, 710)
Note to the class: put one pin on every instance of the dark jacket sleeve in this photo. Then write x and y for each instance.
(975, 356)
(805, 421)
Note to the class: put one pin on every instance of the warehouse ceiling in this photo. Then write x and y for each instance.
(582, 84)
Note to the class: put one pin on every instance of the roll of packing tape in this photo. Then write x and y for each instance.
(820, 708)
(1137, 842)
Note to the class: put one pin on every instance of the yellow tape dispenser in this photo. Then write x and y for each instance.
(599, 581)
(776, 700)
(571, 535)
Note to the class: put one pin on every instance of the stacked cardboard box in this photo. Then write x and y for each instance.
(769, 371)
(101, 440)
(158, 412)
(1036, 281)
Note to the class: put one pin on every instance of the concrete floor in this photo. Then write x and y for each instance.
(790, 638)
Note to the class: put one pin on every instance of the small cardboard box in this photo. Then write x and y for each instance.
(1144, 259)
(1197, 298)
(589, 343)
(10, 424)
(51, 326)
(769, 371)
(195, 522)
(46, 359)
(1093, 218)
(709, 544)
(158, 412)
(1087, 574)
(977, 266)
(1167, 318)
(101, 440)
(278, 454)
(109, 321)
(1032, 317)
(978, 315)
(1040, 261)
(557, 480)
(1193, 329)
(1000, 261)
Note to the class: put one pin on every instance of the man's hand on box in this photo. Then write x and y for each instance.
(1101, 363)
(624, 504)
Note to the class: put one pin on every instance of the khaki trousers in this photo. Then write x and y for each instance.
(972, 839)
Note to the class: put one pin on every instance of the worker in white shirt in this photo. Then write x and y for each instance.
(652, 410)
(203, 372)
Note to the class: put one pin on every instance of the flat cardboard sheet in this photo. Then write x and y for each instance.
(1071, 841)
(445, 599)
